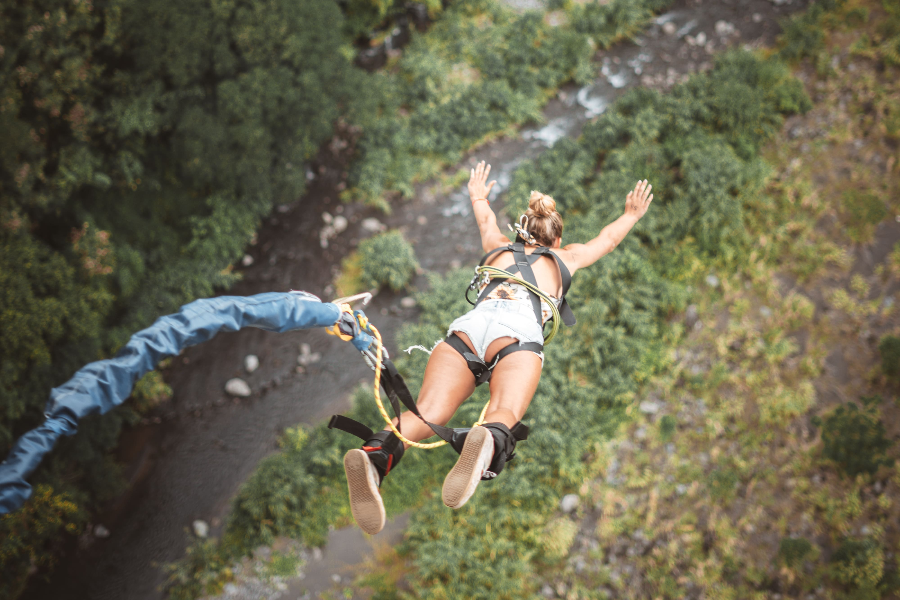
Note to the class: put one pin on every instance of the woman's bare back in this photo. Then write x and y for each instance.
(546, 271)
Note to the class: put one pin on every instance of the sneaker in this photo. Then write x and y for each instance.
(463, 478)
(365, 499)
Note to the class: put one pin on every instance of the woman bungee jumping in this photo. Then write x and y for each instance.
(499, 341)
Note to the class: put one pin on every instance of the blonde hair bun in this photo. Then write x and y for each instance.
(541, 205)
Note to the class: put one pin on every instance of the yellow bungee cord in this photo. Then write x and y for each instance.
(381, 409)
(495, 272)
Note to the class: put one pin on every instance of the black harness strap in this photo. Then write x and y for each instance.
(524, 267)
(480, 369)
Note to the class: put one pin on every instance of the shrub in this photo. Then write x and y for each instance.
(387, 259)
(854, 439)
(861, 213)
(889, 348)
(722, 483)
(792, 551)
(667, 427)
(29, 537)
(859, 564)
(150, 390)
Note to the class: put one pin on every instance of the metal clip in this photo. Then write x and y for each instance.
(366, 297)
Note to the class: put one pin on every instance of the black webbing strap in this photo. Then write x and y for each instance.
(393, 384)
(480, 369)
(351, 426)
(565, 311)
(524, 267)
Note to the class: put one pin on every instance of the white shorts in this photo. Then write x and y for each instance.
(493, 319)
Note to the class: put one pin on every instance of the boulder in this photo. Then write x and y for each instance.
(372, 225)
(650, 407)
(237, 387)
(201, 528)
(569, 503)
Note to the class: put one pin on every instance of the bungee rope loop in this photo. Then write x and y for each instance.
(495, 272)
(346, 328)
(387, 419)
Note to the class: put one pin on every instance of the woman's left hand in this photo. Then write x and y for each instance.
(477, 187)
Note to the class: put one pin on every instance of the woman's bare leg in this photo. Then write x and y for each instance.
(513, 383)
(447, 383)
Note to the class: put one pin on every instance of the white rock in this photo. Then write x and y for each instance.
(649, 407)
(641, 433)
(865, 530)
(765, 311)
(681, 489)
(317, 554)
(327, 218)
(408, 302)
(372, 225)
(247, 260)
(101, 532)
(251, 363)
(422, 220)
(712, 280)
(340, 223)
(201, 528)
(547, 591)
(701, 38)
(230, 589)
(669, 28)
(336, 578)
(237, 387)
(308, 359)
(724, 28)
(569, 503)
(306, 356)
(691, 314)
(757, 18)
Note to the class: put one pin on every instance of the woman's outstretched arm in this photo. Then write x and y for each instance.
(491, 236)
(636, 204)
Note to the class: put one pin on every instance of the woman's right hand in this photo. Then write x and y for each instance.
(477, 187)
(638, 200)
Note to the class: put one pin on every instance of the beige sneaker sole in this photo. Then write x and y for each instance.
(463, 478)
(365, 499)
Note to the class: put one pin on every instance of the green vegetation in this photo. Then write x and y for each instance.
(481, 70)
(854, 439)
(794, 550)
(700, 141)
(862, 212)
(889, 348)
(386, 259)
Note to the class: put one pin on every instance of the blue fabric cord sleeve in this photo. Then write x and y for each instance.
(103, 385)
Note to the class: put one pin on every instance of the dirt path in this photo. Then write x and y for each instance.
(190, 459)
